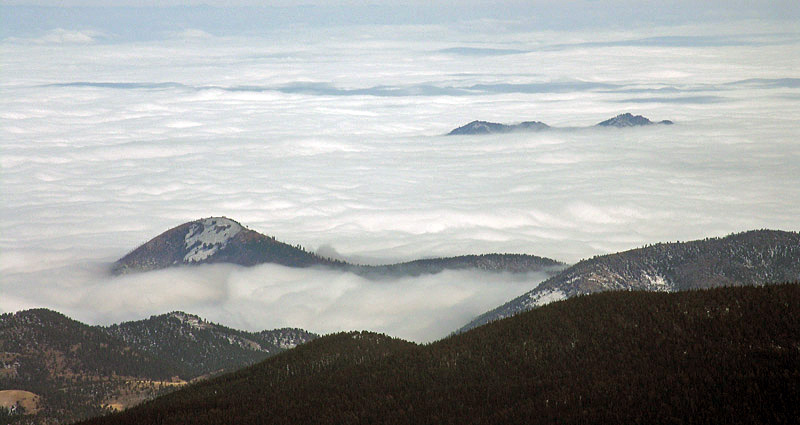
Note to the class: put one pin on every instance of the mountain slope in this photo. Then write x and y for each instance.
(214, 240)
(197, 347)
(724, 355)
(77, 371)
(748, 258)
(222, 240)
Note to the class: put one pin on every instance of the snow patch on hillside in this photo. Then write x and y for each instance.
(545, 297)
(208, 236)
(287, 342)
(656, 282)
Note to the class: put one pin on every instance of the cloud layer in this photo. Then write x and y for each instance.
(334, 139)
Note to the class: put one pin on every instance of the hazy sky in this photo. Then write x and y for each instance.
(139, 19)
(115, 126)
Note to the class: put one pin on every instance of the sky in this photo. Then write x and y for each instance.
(328, 131)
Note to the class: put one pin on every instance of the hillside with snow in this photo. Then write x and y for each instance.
(213, 240)
(223, 240)
(749, 258)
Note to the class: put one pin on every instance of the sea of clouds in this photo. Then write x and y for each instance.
(333, 138)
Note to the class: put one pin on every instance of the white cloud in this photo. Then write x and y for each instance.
(193, 33)
(66, 36)
(422, 309)
(156, 134)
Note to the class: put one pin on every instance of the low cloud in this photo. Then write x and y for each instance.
(421, 309)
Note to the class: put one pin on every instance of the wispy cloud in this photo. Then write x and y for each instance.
(329, 89)
(61, 36)
(481, 51)
(676, 99)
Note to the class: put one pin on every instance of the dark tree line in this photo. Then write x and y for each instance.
(724, 355)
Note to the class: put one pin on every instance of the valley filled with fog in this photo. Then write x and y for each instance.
(334, 138)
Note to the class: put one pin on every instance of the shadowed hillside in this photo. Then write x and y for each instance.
(74, 371)
(196, 347)
(724, 355)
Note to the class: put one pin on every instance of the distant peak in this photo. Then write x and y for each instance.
(212, 240)
(629, 120)
(486, 127)
(626, 119)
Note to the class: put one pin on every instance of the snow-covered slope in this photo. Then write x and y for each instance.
(213, 240)
(207, 236)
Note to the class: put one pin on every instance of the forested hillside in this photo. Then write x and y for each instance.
(748, 258)
(196, 347)
(511, 263)
(64, 370)
(725, 355)
(76, 370)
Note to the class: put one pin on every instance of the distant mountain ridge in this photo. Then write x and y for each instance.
(749, 258)
(485, 127)
(77, 370)
(222, 240)
(510, 263)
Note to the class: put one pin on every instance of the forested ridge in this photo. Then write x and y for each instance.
(76, 369)
(722, 355)
(748, 258)
(79, 371)
(195, 347)
(512, 263)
